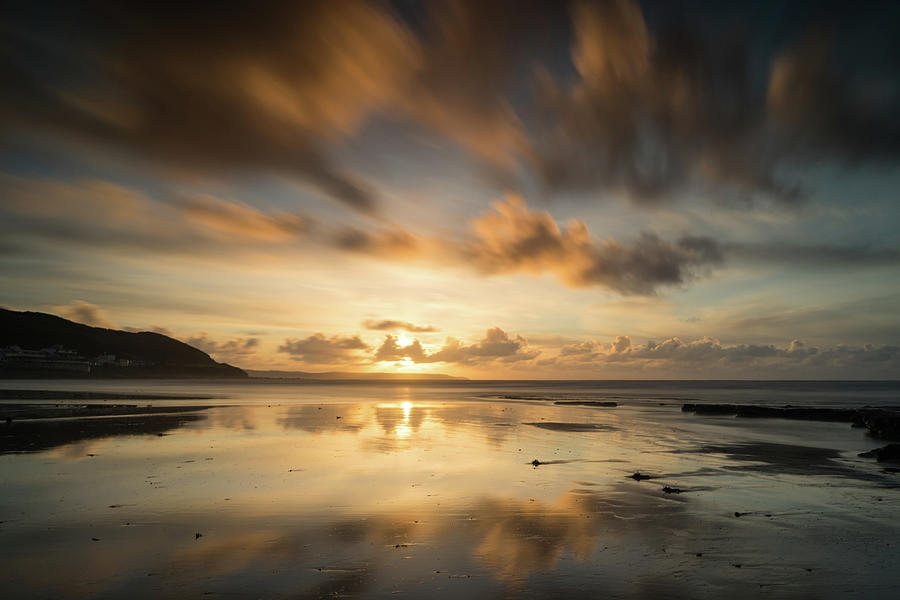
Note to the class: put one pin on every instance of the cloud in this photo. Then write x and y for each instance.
(234, 219)
(394, 243)
(102, 213)
(813, 102)
(237, 349)
(656, 110)
(496, 345)
(514, 239)
(214, 90)
(85, 312)
(471, 53)
(709, 356)
(318, 349)
(389, 324)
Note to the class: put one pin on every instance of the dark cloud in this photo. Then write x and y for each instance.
(496, 345)
(318, 349)
(389, 324)
(822, 106)
(655, 109)
(473, 51)
(515, 239)
(655, 104)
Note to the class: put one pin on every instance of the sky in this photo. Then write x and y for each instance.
(501, 189)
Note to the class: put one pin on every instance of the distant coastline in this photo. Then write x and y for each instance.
(351, 376)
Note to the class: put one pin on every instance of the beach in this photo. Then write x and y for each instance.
(487, 490)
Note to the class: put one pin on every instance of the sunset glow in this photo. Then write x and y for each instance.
(590, 190)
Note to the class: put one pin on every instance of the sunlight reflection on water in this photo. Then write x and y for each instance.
(434, 496)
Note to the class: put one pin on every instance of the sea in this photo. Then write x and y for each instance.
(442, 489)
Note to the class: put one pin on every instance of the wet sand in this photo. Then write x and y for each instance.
(322, 494)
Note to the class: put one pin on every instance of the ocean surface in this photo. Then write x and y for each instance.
(286, 489)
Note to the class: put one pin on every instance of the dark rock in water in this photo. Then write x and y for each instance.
(640, 477)
(883, 424)
(889, 452)
(880, 423)
(672, 490)
(587, 403)
(739, 514)
(536, 463)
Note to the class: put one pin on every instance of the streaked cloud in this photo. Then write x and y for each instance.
(86, 313)
(239, 220)
(215, 90)
(392, 325)
(655, 110)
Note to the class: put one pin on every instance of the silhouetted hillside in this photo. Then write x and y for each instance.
(147, 354)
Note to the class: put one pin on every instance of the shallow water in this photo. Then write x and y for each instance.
(303, 490)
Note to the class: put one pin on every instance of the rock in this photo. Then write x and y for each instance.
(536, 463)
(640, 477)
(197, 536)
(672, 490)
(889, 452)
(881, 423)
(740, 514)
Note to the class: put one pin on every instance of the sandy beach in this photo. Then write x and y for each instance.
(304, 492)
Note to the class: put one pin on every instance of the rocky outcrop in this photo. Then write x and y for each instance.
(890, 452)
(880, 423)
